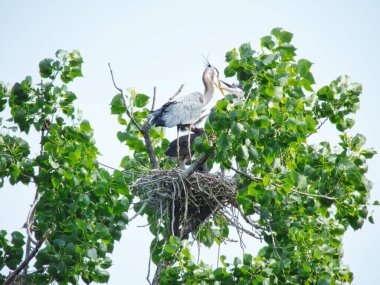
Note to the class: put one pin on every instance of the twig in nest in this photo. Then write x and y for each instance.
(178, 91)
(27, 260)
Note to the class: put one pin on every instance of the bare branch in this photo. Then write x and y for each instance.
(315, 195)
(149, 147)
(139, 212)
(277, 185)
(12, 276)
(319, 126)
(239, 227)
(178, 91)
(154, 99)
(144, 131)
(198, 163)
(124, 102)
(246, 175)
(30, 221)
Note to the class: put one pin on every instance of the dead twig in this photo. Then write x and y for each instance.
(154, 99)
(319, 126)
(178, 91)
(144, 131)
(123, 99)
(279, 186)
(13, 275)
(30, 221)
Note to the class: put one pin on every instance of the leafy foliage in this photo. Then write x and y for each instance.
(304, 196)
(82, 203)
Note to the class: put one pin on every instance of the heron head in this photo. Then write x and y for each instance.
(211, 74)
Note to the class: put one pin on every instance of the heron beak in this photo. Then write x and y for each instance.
(220, 88)
(236, 91)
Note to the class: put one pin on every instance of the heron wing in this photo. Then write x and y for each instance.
(183, 111)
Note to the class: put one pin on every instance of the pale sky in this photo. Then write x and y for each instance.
(161, 43)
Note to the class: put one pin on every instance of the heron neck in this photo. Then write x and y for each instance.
(209, 90)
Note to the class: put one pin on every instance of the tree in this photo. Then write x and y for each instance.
(300, 198)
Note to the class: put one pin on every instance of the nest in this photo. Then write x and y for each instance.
(183, 203)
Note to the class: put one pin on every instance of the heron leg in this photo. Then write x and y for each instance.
(178, 146)
(189, 143)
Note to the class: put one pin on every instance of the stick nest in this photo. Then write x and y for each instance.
(184, 202)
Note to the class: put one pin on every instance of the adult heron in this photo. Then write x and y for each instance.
(186, 110)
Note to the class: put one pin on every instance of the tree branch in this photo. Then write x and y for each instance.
(178, 91)
(144, 131)
(27, 260)
(195, 166)
(277, 185)
(124, 102)
(29, 221)
(154, 99)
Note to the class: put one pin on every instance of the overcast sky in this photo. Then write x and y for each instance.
(161, 43)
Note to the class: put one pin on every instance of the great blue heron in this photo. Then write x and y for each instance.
(183, 153)
(186, 110)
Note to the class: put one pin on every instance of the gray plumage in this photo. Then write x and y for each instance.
(187, 109)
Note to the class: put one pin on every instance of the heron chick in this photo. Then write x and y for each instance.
(183, 154)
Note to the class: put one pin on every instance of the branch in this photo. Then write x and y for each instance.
(240, 227)
(178, 91)
(27, 260)
(315, 195)
(124, 102)
(149, 147)
(319, 126)
(277, 185)
(154, 99)
(144, 131)
(29, 221)
(246, 175)
(198, 163)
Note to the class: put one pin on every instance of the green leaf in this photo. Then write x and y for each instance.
(246, 51)
(46, 67)
(18, 239)
(267, 42)
(318, 254)
(170, 248)
(324, 281)
(85, 126)
(117, 105)
(53, 164)
(141, 100)
(92, 253)
(303, 67)
(358, 141)
(282, 35)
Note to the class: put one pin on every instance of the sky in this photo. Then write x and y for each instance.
(162, 44)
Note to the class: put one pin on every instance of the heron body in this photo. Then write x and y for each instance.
(186, 110)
